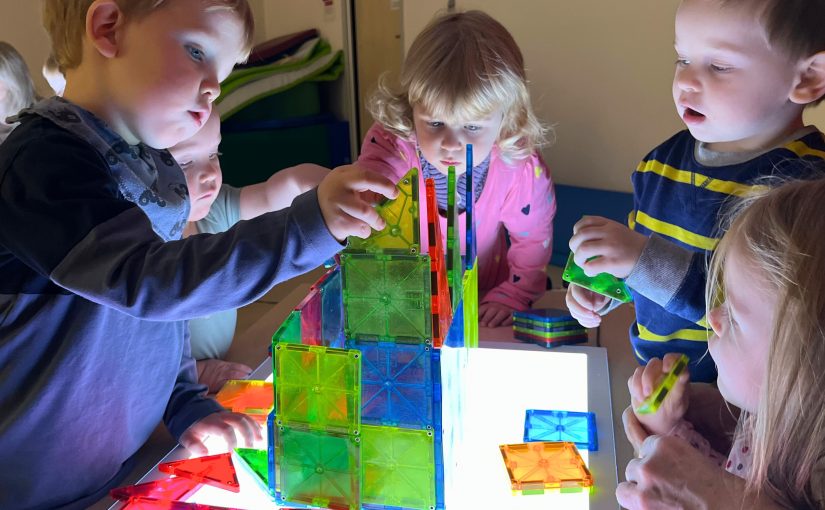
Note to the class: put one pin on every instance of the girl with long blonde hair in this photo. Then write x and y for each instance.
(464, 82)
(767, 295)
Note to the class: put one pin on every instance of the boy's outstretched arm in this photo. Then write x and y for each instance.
(280, 189)
(65, 218)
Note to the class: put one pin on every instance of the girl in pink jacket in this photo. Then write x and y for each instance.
(464, 82)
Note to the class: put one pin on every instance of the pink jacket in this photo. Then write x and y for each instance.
(517, 197)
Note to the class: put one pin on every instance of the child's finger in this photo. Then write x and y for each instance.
(366, 180)
(194, 445)
(651, 376)
(246, 430)
(588, 221)
(634, 430)
(587, 318)
(634, 385)
(363, 212)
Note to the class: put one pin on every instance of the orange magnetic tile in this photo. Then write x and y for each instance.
(440, 303)
(217, 470)
(166, 489)
(535, 467)
(255, 398)
(159, 504)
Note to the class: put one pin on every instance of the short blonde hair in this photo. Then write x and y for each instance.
(65, 21)
(780, 232)
(15, 75)
(463, 65)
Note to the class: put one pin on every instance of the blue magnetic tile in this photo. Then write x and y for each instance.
(396, 384)
(575, 427)
(332, 310)
(439, 432)
(547, 315)
(271, 454)
(455, 336)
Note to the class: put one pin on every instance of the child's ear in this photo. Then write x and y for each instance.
(811, 83)
(104, 20)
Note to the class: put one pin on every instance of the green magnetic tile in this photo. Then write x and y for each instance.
(470, 291)
(398, 467)
(402, 233)
(651, 404)
(290, 330)
(454, 266)
(319, 468)
(603, 283)
(318, 387)
(387, 297)
(257, 462)
(550, 334)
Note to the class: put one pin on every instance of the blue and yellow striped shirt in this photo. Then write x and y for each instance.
(679, 201)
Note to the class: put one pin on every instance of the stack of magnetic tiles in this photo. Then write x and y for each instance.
(548, 327)
(365, 403)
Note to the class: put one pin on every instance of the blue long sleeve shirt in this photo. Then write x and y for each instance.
(681, 192)
(93, 339)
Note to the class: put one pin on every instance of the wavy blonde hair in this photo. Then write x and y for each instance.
(782, 232)
(463, 65)
(65, 21)
(15, 75)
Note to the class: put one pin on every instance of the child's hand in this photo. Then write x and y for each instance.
(215, 372)
(493, 315)
(584, 305)
(236, 430)
(675, 405)
(347, 196)
(616, 247)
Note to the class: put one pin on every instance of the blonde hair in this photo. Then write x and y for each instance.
(781, 232)
(65, 21)
(15, 75)
(463, 65)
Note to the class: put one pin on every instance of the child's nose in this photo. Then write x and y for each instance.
(686, 80)
(211, 88)
(450, 142)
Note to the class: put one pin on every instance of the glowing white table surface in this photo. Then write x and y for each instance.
(504, 378)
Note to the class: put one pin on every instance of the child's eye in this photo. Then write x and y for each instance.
(215, 155)
(435, 123)
(682, 62)
(196, 53)
(719, 68)
(472, 127)
(185, 164)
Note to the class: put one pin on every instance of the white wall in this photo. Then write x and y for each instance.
(599, 70)
(20, 26)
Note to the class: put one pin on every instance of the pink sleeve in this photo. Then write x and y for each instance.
(685, 430)
(527, 214)
(386, 153)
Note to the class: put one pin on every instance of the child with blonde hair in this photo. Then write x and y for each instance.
(463, 82)
(216, 207)
(96, 283)
(745, 72)
(16, 87)
(767, 303)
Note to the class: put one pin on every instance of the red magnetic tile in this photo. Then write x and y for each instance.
(216, 470)
(167, 488)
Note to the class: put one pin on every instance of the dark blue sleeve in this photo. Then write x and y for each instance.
(62, 215)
